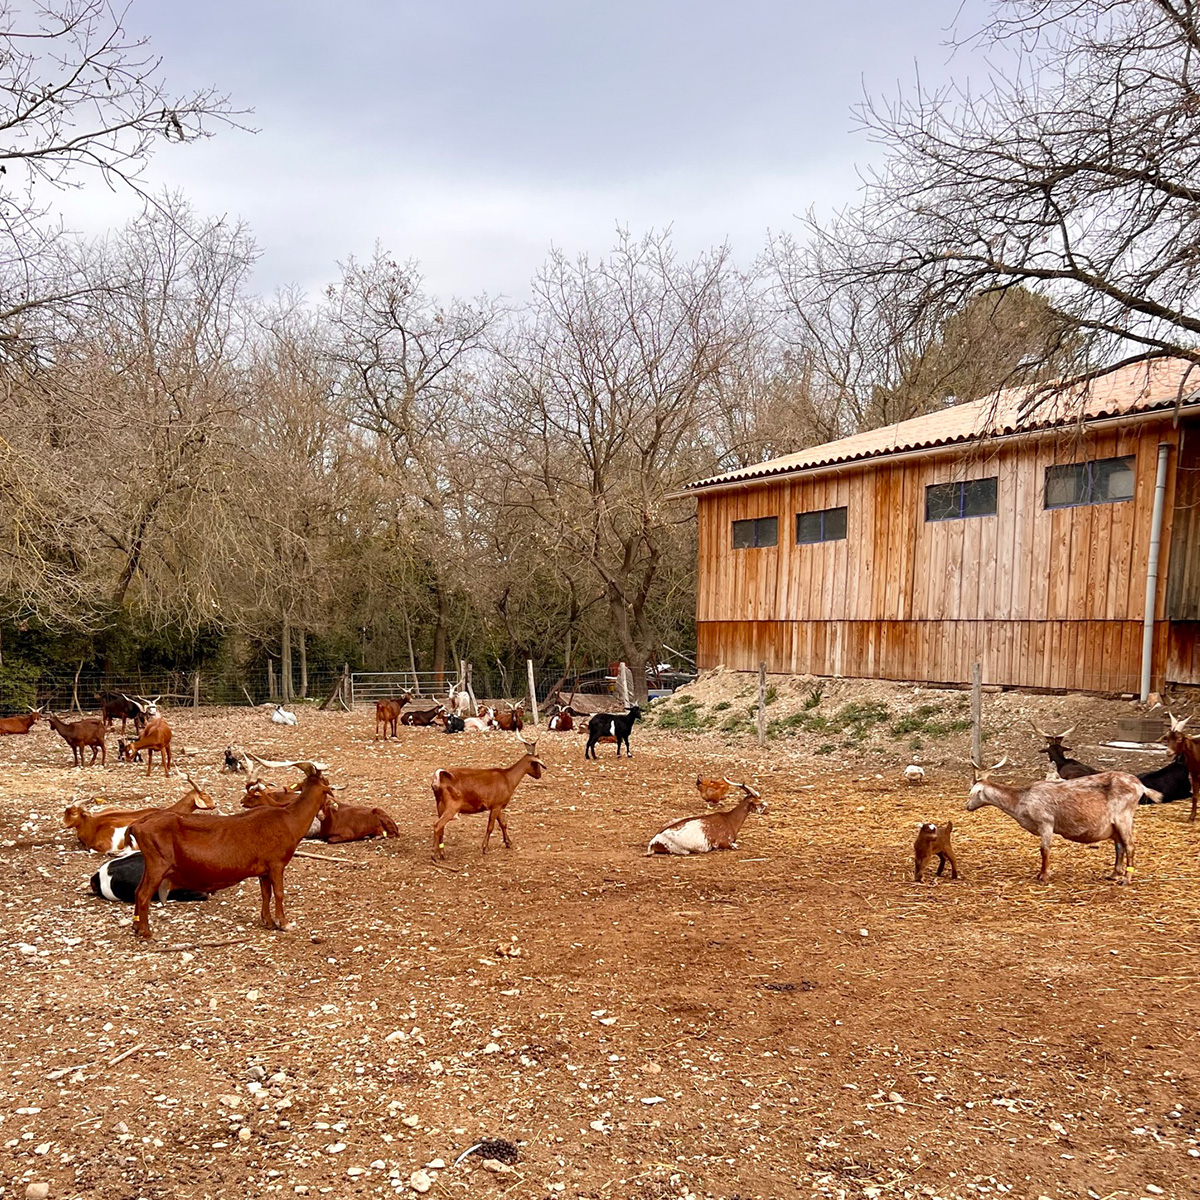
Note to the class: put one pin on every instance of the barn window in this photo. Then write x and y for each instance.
(826, 525)
(966, 498)
(1101, 481)
(761, 531)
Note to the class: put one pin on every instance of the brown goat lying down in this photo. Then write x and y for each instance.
(715, 831)
(348, 823)
(106, 830)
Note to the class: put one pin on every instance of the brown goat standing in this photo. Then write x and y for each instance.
(206, 853)
(934, 839)
(79, 735)
(388, 712)
(469, 790)
(1188, 745)
(155, 739)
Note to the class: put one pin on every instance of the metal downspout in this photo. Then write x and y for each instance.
(1156, 520)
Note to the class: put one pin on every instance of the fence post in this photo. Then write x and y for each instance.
(470, 670)
(622, 687)
(344, 687)
(977, 712)
(762, 703)
(196, 690)
(532, 690)
(271, 695)
(350, 697)
(75, 690)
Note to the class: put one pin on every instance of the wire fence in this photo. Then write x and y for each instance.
(63, 690)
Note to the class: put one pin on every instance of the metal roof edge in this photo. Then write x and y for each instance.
(720, 482)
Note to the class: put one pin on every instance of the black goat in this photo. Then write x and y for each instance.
(118, 879)
(117, 704)
(1067, 768)
(1173, 781)
(233, 761)
(615, 725)
(454, 723)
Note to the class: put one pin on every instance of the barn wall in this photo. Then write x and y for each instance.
(1045, 598)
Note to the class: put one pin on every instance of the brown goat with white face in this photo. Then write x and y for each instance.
(1179, 742)
(1096, 808)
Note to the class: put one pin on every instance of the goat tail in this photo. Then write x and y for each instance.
(1151, 796)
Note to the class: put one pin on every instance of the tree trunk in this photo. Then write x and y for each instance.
(412, 658)
(303, 665)
(635, 657)
(285, 661)
(439, 641)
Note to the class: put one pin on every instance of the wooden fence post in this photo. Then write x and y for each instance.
(762, 703)
(532, 690)
(977, 712)
(75, 690)
(196, 690)
(271, 693)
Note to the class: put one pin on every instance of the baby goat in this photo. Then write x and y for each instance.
(714, 831)
(934, 839)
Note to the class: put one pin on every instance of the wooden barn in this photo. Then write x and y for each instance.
(1015, 531)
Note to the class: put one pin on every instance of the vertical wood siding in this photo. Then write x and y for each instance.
(1045, 598)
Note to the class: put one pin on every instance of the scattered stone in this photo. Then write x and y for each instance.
(412, 1121)
(496, 1166)
(244, 1134)
(355, 1172)
(37, 1191)
(228, 1100)
(419, 1181)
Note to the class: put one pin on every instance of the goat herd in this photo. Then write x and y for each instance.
(189, 851)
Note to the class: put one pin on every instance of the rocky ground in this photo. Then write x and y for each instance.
(796, 1017)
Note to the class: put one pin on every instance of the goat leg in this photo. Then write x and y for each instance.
(277, 885)
(503, 829)
(1044, 873)
(491, 824)
(264, 882)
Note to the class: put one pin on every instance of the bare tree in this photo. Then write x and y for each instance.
(1075, 174)
(79, 97)
(612, 392)
(405, 366)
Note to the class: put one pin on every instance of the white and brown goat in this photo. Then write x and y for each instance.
(713, 831)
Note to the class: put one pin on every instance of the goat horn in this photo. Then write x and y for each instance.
(1002, 763)
(1066, 733)
(309, 768)
(1039, 732)
(749, 791)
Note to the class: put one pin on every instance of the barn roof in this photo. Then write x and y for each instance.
(1126, 391)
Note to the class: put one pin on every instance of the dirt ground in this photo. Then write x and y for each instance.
(795, 1017)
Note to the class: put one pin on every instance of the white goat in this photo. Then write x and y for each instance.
(281, 716)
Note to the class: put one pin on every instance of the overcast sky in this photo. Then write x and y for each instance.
(472, 134)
